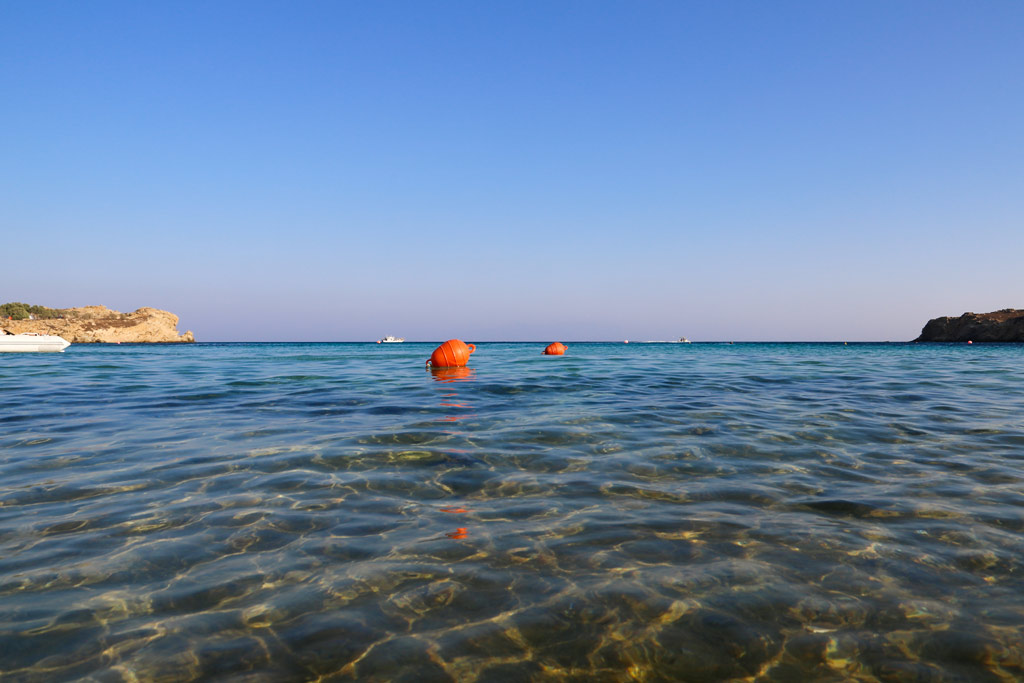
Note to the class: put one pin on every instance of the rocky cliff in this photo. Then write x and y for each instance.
(1006, 325)
(100, 324)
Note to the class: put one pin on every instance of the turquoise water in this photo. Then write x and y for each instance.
(693, 512)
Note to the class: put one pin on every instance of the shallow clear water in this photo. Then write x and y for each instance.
(624, 512)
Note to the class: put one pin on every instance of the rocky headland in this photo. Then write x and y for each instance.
(99, 324)
(1006, 325)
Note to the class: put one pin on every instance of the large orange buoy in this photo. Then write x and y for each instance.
(454, 353)
(556, 349)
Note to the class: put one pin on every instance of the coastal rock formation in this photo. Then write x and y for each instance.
(100, 324)
(1006, 325)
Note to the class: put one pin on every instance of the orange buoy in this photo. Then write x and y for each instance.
(556, 349)
(454, 353)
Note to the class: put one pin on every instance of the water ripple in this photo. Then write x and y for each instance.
(664, 512)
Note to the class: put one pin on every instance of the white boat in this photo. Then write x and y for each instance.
(391, 340)
(681, 340)
(29, 342)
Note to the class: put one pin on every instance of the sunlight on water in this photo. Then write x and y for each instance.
(642, 512)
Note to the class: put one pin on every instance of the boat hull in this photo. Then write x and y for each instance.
(32, 343)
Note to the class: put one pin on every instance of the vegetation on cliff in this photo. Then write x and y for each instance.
(93, 324)
(16, 310)
(19, 311)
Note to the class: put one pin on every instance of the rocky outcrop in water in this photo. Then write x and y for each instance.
(1006, 325)
(100, 324)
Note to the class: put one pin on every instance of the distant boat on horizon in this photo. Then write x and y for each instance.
(391, 340)
(681, 340)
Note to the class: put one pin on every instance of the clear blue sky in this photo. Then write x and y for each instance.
(516, 170)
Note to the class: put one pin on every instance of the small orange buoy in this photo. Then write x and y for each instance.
(454, 353)
(970, 342)
(556, 349)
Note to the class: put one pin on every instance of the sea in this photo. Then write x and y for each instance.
(625, 512)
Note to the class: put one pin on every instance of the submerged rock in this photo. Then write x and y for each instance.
(1006, 325)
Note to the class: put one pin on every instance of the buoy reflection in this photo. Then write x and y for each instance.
(456, 409)
(452, 374)
(451, 399)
